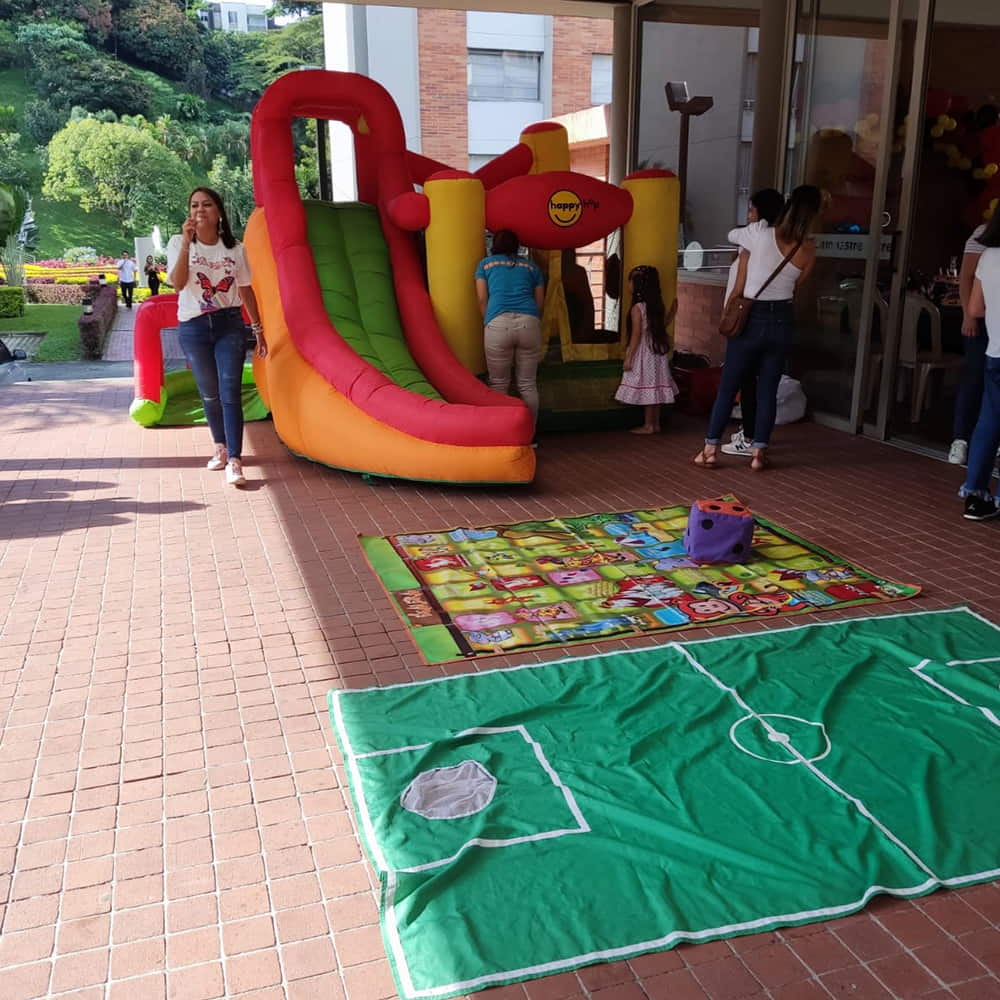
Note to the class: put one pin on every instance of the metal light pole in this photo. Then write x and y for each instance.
(689, 107)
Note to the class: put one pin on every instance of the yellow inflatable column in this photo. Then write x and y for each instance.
(455, 245)
(650, 236)
(549, 144)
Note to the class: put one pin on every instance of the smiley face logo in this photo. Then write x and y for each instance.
(565, 208)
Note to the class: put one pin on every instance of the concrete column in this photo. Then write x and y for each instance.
(340, 37)
(623, 107)
(777, 40)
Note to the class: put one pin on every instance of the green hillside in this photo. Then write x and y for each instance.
(63, 224)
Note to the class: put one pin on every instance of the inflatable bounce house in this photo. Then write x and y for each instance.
(374, 348)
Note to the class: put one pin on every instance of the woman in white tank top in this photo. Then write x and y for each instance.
(761, 349)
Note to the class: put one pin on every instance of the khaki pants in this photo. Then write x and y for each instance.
(513, 343)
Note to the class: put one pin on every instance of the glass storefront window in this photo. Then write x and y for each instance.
(834, 141)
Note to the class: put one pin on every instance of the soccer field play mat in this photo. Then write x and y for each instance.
(480, 591)
(533, 819)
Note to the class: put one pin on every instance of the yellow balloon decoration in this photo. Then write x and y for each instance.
(991, 169)
(937, 131)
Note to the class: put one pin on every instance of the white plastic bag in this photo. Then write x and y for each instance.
(791, 402)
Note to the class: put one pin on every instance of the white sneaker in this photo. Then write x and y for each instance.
(234, 473)
(958, 452)
(738, 445)
(218, 460)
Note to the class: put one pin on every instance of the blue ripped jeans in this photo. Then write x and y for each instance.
(215, 347)
(758, 352)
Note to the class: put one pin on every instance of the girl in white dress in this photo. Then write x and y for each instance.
(646, 379)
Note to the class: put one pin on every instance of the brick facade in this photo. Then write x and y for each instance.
(699, 309)
(444, 123)
(574, 41)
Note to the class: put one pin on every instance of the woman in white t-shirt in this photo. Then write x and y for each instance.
(764, 210)
(970, 392)
(209, 268)
(779, 260)
(984, 301)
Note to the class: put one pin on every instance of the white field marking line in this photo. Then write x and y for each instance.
(919, 671)
(829, 782)
(777, 715)
(665, 645)
(571, 803)
(351, 762)
(395, 942)
(674, 937)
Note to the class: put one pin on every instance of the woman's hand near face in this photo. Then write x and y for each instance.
(188, 230)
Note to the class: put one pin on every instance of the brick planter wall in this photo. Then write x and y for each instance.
(94, 326)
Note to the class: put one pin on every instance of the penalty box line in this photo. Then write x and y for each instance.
(829, 782)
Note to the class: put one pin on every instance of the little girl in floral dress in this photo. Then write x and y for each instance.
(646, 379)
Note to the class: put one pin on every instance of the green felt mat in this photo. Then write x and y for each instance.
(534, 819)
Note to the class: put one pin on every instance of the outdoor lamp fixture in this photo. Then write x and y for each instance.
(689, 107)
(101, 279)
(88, 306)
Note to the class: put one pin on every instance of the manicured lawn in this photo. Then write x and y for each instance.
(62, 341)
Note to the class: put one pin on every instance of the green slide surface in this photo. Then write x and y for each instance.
(355, 276)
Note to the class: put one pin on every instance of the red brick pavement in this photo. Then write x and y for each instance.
(173, 818)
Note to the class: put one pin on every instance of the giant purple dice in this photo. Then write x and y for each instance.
(719, 531)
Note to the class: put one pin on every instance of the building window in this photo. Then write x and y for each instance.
(256, 22)
(234, 20)
(504, 76)
(600, 79)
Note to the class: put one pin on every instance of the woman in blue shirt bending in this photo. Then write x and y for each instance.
(511, 291)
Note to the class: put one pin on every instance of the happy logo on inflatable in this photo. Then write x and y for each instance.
(565, 208)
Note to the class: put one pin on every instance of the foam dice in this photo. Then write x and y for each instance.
(719, 531)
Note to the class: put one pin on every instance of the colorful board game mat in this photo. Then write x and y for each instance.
(471, 592)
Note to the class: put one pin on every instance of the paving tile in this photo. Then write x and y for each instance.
(857, 982)
(250, 972)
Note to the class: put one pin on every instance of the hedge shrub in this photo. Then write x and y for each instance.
(56, 295)
(94, 326)
(11, 301)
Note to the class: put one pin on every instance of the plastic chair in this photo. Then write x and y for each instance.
(874, 369)
(922, 363)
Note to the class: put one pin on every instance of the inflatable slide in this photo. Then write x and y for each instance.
(358, 374)
(171, 398)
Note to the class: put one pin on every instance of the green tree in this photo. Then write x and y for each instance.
(117, 168)
(235, 184)
(11, 211)
(231, 138)
(226, 55)
(158, 35)
(295, 46)
(15, 169)
(292, 8)
(65, 70)
(42, 119)
(189, 108)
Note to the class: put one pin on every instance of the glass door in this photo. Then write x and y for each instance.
(929, 397)
(844, 137)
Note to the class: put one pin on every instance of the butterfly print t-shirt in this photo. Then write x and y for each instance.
(215, 273)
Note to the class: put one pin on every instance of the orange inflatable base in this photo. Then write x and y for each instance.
(317, 422)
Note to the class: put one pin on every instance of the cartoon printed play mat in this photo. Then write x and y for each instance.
(470, 592)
